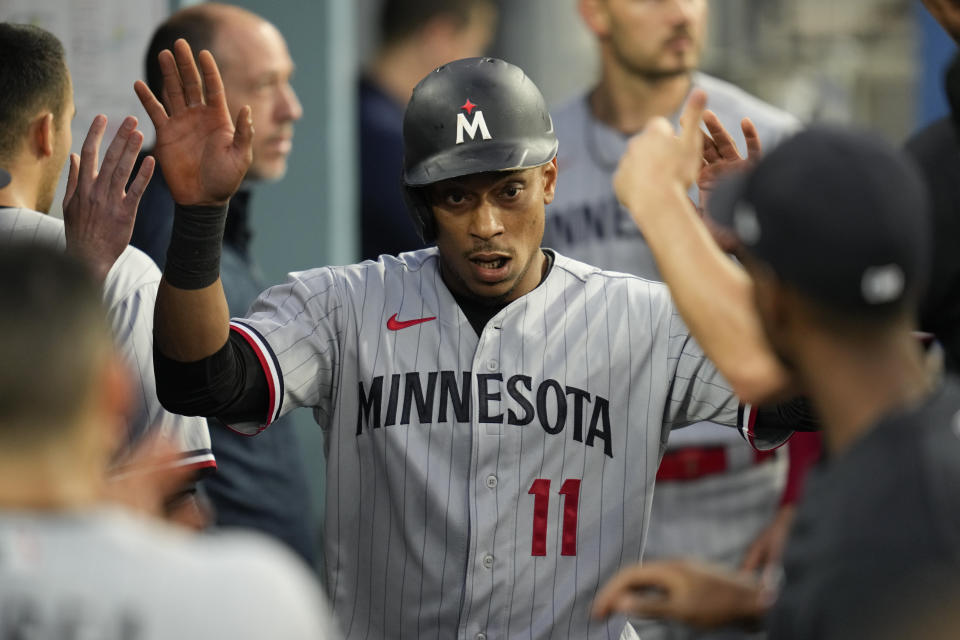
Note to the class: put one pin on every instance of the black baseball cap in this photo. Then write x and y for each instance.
(838, 214)
(4, 178)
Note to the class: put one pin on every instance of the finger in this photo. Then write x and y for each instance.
(721, 137)
(72, 176)
(90, 151)
(212, 82)
(153, 107)
(690, 121)
(628, 580)
(172, 85)
(121, 174)
(135, 191)
(754, 558)
(115, 150)
(641, 605)
(752, 137)
(243, 132)
(189, 76)
(710, 152)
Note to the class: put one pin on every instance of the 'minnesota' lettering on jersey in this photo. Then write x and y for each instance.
(437, 396)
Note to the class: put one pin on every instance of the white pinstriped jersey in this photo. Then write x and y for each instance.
(129, 293)
(481, 487)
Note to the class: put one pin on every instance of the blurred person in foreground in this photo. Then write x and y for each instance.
(416, 36)
(36, 110)
(71, 566)
(260, 483)
(716, 499)
(833, 231)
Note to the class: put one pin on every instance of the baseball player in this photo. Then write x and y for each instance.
(35, 142)
(876, 535)
(493, 411)
(648, 54)
(71, 567)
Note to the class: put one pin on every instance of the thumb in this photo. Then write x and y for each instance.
(243, 131)
(72, 179)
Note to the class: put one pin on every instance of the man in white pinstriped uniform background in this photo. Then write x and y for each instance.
(714, 495)
(494, 411)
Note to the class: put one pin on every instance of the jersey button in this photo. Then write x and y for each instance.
(491, 481)
(492, 365)
(487, 562)
(481, 636)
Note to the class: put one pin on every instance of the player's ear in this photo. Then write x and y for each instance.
(40, 135)
(550, 173)
(596, 16)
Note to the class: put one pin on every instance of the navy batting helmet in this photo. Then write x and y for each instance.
(471, 116)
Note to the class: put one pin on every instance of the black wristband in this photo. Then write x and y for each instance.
(193, 257)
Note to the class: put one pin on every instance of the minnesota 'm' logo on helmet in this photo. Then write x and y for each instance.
(471, 126)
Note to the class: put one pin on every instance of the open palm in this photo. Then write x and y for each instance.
(204, 156)
(721, 156)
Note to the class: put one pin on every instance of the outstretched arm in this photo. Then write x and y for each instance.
(204, 157)
(713, 294)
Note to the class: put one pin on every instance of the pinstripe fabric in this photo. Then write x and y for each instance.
(129, 293)
(586, 222)
(430, 525)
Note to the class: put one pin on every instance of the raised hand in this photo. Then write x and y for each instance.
(720, 153)
(98, 209)
(204, 155)
(659, 166)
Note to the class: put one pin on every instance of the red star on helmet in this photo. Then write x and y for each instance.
(469, 106)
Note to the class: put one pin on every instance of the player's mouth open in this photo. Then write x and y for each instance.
(491, 264)
(490, 267)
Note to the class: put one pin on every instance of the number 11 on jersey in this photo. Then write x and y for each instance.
(570, 490)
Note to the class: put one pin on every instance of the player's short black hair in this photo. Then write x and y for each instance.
(53, 333)
(33, 76)
(400, 19)
(195, 25)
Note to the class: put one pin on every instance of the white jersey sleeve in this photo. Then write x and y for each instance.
(698, 391)
(129, 293)
(295, 331)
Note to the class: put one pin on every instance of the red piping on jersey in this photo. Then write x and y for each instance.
(204, 464)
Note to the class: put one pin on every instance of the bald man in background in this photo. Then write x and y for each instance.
(261, 483)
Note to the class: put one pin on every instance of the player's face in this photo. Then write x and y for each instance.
(257, 69)
(62, 140)
(655, 38)
(489, 228)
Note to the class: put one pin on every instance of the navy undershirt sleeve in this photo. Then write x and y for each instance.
(229, 385)
(796, 414)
